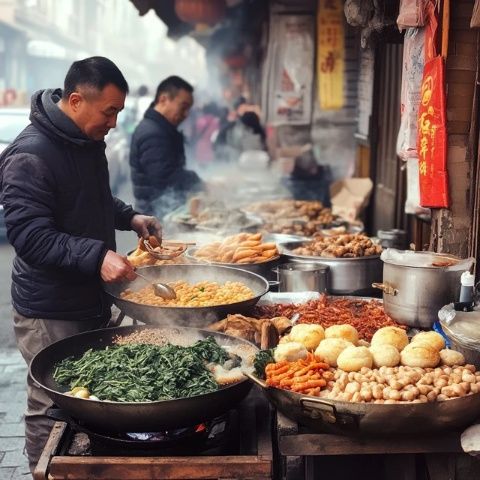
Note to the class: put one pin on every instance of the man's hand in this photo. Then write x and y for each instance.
(146, 226)
(116, 268)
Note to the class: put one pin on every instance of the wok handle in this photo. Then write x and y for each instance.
(386, 288)
(256, 380)
(325, 410)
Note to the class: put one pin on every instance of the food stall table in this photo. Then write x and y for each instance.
(298, 447)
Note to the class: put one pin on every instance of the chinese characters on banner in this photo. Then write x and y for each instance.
(331, 54)
(432, 137)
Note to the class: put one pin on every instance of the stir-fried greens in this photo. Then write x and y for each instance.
(142, 373)
(262, 359)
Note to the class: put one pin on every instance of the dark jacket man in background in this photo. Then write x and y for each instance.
(161, 182)
(61, 219)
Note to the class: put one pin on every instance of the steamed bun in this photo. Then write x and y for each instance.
(353, 359)
(430, 339)
(290, 352)
(330, 348)
(419, 355)
(347, 332)
(451, 357)
(385, 355)
(307, 334)
(392, 336)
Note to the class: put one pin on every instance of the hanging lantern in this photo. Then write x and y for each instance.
(200, 11)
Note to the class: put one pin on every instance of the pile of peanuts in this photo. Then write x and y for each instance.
(391, 385)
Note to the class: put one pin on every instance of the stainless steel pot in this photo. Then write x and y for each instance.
(414, 295)
(347, 276)
(187, 316)
(302, 277)
(349, 418)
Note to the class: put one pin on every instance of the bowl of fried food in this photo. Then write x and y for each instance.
(247, 251)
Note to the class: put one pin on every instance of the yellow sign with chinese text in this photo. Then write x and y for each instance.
(330, 54)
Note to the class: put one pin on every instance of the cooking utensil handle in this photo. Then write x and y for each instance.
(386, 288)
(256, 380)
(273, 283)
(325, 410)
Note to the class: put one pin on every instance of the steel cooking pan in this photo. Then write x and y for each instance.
(187, 316)
(141, 416)
(354, 418)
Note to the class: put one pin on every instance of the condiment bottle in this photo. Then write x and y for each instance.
(467, 281)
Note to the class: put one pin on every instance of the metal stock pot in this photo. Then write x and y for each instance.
(413, 295)
(347, 276)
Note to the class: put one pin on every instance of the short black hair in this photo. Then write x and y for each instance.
(171, 86)
(96, 72)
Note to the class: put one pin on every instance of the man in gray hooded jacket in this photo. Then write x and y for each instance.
(61, 219)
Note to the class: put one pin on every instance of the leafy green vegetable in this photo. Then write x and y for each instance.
(142, 373)
(262, 359)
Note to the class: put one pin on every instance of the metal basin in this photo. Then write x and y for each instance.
(187, 316)
(347, 276)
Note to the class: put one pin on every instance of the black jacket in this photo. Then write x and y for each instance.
(60, 215)
(157, 164)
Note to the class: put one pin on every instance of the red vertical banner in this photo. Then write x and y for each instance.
(432, 137)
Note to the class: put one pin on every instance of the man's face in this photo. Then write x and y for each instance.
(176, 109)
(95, 112)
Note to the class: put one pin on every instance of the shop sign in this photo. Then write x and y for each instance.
(432, 137)
(331, 54)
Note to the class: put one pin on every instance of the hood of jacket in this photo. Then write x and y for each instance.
(46, 115)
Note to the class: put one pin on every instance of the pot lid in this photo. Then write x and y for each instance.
(462, 327)
(409, 258)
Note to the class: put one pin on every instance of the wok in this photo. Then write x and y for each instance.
(349, 418)
(141, 416)
(186, 316)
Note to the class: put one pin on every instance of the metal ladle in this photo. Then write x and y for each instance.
(160, 289)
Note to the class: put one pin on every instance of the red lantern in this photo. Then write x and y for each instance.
(200, 11)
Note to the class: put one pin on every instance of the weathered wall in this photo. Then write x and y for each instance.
(451, 228)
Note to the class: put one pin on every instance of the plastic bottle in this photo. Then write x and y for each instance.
(467, 281)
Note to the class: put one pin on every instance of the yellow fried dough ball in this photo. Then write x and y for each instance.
(385, 355)
(451, 357)
(392, 336)
(347, 332)
(330, 348)
(430, 339)
(290, 352)
(307, 334)
(419, 355)
(353, 359)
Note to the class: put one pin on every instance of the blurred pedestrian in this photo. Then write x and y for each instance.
(61, 219)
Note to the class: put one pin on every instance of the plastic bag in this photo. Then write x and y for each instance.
(411, 14)
(475, 21)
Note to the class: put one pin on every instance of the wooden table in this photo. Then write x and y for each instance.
(297, 451)
(253, 461)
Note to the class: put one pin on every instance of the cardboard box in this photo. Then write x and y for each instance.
(350, 197)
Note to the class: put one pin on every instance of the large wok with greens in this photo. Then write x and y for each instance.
(142, 388)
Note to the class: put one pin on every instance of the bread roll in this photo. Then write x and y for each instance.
(347, 332)
(290, 352)
(385, 355)
(392, 336)
(353, 359)
(330, 348)
(451, 357)
(307, 334)
(418, 355)
(430, 339)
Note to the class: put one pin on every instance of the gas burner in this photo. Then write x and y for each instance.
(209, 437)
